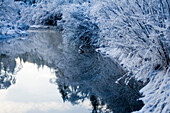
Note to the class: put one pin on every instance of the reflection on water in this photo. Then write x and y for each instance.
(32, 93)
(82, 78)
(7, 69)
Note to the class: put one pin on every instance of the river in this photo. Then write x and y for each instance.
(44, 73)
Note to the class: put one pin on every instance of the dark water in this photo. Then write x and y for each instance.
(48, 74)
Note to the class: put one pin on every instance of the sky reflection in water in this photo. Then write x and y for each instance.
(32, 93)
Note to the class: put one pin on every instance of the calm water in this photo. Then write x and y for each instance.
(48, 74)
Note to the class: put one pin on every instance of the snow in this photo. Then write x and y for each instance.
(133, 33)
(157, 93)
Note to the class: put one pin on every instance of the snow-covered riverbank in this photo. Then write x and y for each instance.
(136, 34)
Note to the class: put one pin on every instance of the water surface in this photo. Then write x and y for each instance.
(45, 73)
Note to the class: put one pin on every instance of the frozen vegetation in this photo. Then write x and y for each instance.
(134, 33)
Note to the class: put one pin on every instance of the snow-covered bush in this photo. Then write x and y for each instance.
(139, 30)
(85, 32)
(9, 14)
